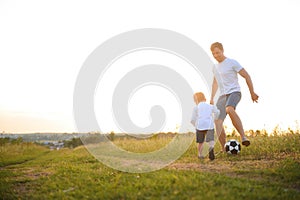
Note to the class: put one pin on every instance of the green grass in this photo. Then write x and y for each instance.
(18, 153)
(268, 169)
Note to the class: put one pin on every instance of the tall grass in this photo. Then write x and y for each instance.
(14, 153)
(143, 145)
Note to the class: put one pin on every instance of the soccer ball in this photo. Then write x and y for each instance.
(232, 147)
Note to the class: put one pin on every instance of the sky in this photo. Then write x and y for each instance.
(43, 45)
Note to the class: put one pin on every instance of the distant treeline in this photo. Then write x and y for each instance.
(89, 138)
(75, 140)
(7, 140)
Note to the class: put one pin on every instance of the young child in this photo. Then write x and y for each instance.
(203, 120)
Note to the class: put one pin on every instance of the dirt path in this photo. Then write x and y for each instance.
(221, 166)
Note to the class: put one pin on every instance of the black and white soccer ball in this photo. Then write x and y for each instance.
(232, 147)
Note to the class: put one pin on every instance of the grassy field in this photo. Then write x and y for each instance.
(268, 169)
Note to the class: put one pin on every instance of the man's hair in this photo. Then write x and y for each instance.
(216, 45)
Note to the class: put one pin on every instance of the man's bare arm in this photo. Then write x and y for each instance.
(247, 77)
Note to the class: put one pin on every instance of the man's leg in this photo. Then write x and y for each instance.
(220, 132)
(219, 122)
(232, 101)
(237, 123)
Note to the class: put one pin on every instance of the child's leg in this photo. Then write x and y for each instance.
(200, 148)
(200, 139)
(210, 138)
(211, 142)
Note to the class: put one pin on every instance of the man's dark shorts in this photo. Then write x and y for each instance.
(228, 100)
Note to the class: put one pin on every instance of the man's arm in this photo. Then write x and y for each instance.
(213, 90)
(247, 77)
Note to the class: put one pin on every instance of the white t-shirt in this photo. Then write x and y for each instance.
(203, 116)
(226, 74)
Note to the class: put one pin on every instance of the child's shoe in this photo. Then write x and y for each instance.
(211, 153)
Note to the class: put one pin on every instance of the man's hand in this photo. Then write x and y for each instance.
(254, 97)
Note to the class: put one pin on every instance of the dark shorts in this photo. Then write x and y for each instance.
(200, 135)
(228, 100)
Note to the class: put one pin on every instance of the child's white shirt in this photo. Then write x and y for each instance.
(203, 116)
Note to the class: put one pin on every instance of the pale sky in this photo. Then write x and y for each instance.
(43, 45)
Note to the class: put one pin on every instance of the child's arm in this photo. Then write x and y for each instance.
(194, 116)
(216, 112)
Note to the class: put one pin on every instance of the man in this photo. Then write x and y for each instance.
(226, 79)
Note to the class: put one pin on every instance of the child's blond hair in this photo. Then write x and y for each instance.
(199, 97)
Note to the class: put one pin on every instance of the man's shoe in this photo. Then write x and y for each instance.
(245, 142)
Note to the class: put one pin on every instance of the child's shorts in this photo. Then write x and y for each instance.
(200, 135)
